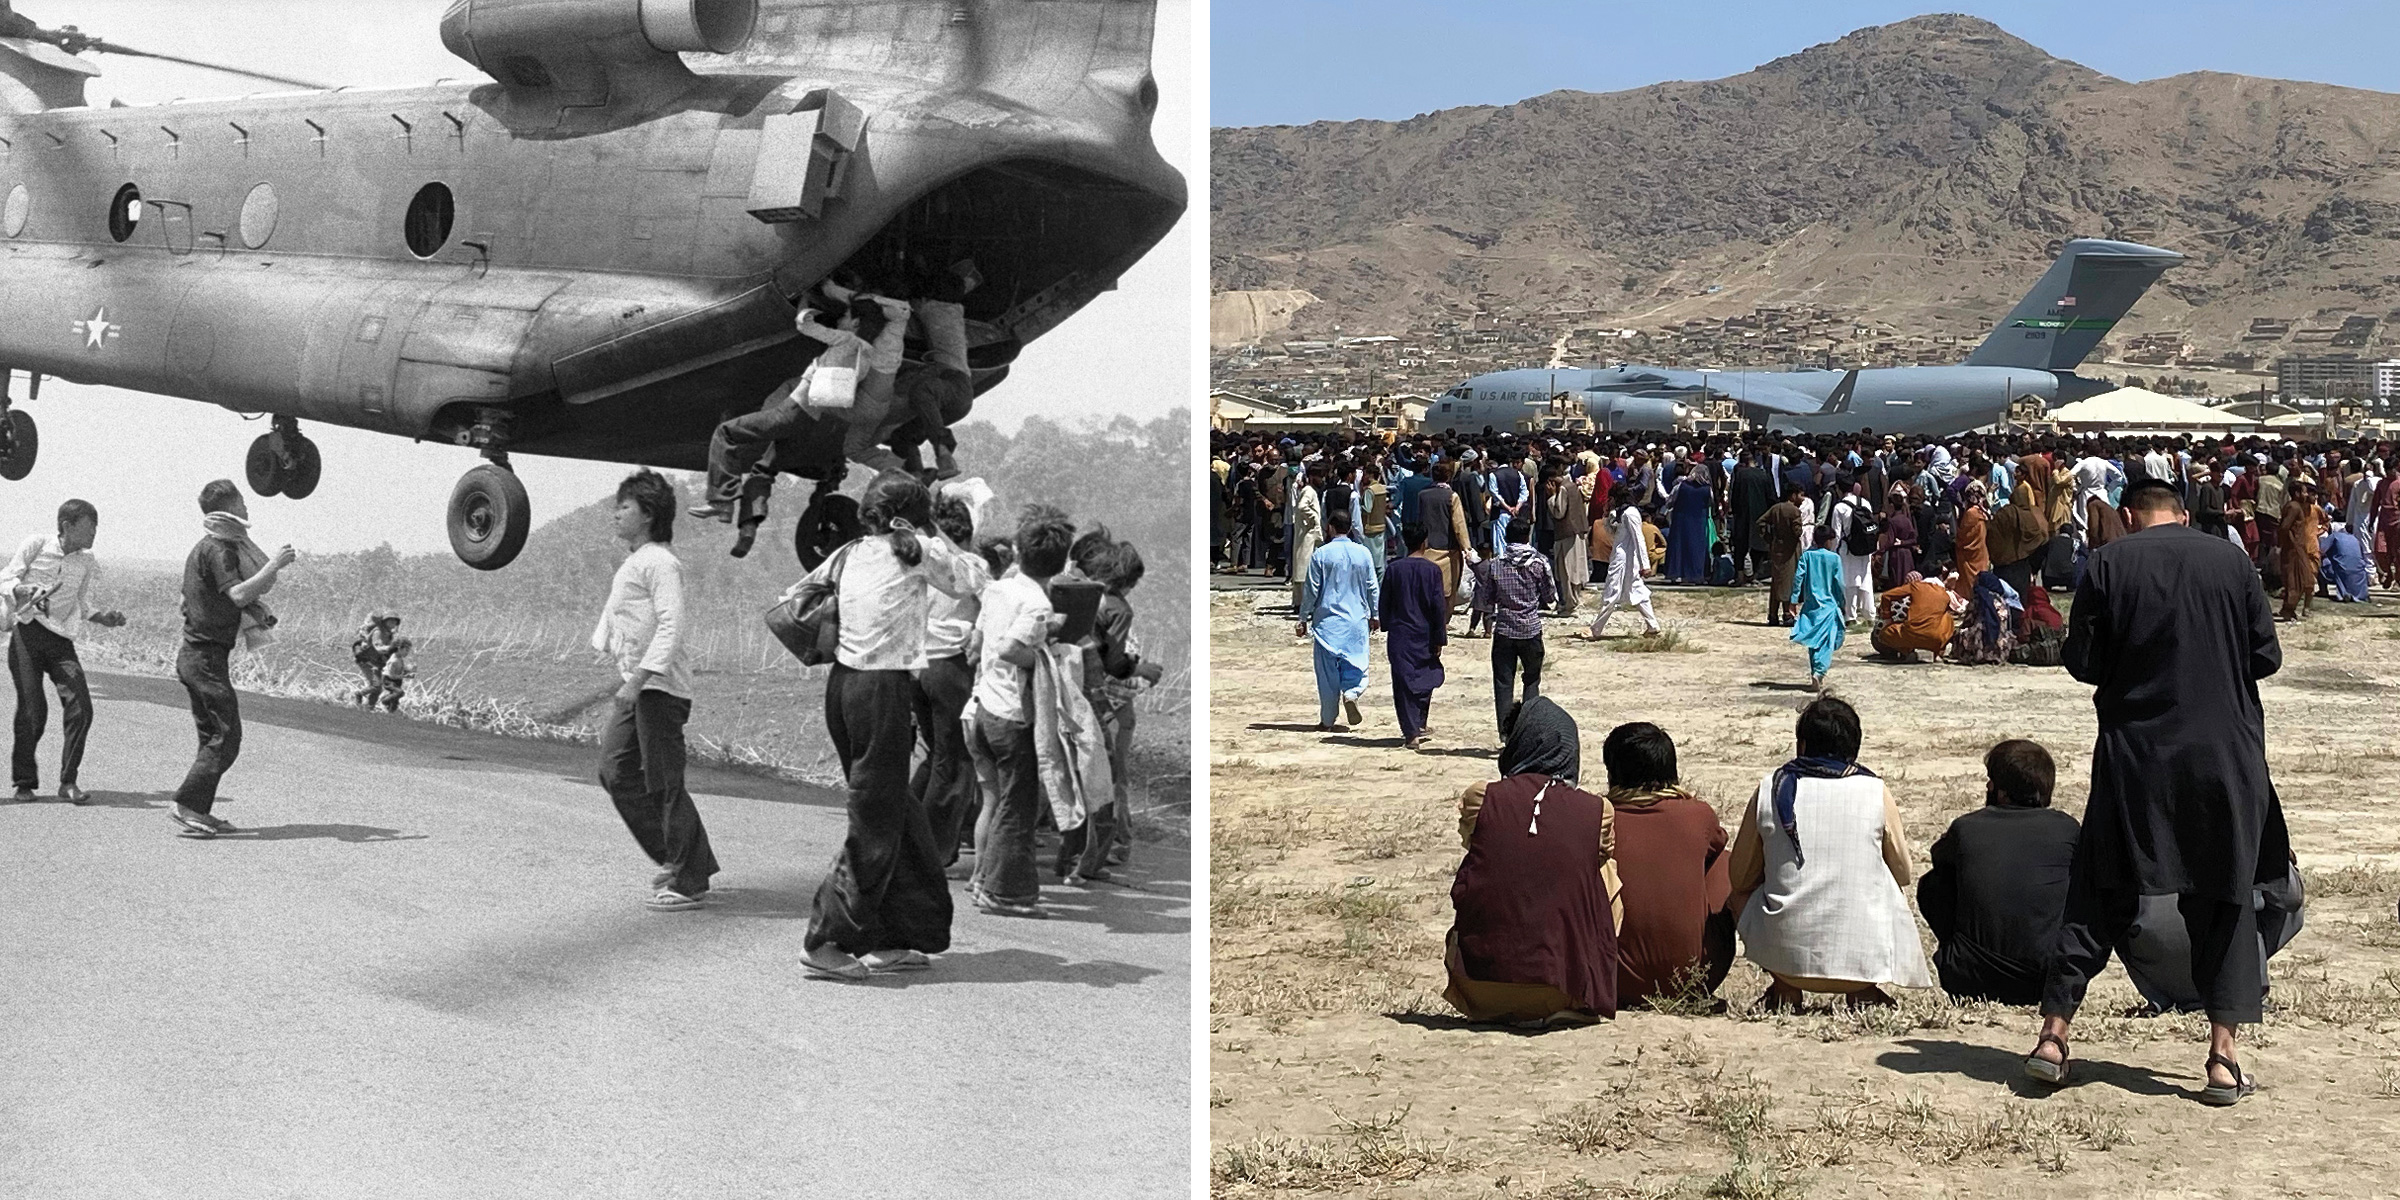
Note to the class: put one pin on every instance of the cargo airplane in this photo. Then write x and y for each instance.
(2034, 352)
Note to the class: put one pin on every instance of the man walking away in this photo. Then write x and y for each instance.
(1753, 489)
(1779, 533)
(1855, 524)
(1570, 546)
(223, 575)
(2172, 630)
(1416, 621)
(1628, 565)
(1514, 588)
(46, 587)
(642, 630)
(1338, 603)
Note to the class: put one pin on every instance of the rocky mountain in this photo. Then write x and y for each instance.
(1919, 173)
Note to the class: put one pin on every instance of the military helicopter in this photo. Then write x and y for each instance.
(598, 252)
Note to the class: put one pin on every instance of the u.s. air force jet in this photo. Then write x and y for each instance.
(2032, 353)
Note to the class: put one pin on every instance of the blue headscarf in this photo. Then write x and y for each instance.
(1787, 788)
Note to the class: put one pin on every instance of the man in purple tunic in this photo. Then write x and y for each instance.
(1416, 618)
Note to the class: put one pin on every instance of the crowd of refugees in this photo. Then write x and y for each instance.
(1010, 659)
(1942, 546)
(1575, 899)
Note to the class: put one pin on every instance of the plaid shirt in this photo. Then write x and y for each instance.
(1514, 589)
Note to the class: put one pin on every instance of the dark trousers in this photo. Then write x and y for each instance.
(1745, 558)
(35, 655)
(886, 891)
(218, 716)
(641, 766)
(1415, 708)
(2018, 575)
(2227, 959)
(1507, 654)
(1004, 860)
(1083, 850)
(944, 781)
(738, 444)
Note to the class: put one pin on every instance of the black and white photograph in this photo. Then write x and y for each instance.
(598, 597)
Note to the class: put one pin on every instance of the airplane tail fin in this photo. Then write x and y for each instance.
(2077, 301)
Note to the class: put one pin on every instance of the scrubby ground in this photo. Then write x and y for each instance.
(1336, 1068)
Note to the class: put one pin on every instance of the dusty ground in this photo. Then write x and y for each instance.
(1336, 1068)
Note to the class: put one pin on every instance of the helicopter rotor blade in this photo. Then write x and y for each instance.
(102, 47)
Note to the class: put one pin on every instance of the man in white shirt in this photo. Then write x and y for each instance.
(1858, 577)
(45, 592)
(1014, 622)
(2094, 476)
(642, 749)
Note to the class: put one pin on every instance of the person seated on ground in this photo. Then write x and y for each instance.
(2157, 948)
(1674, 937)
(1912, 617)
(1818, 867)
(397, 671)
(2345, 565)
(1997, 888)
(1721, 572)
(1534, 940)
(1989, 631)
(851, 376)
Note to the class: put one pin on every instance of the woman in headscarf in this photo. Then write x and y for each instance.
(1899, 540)
(2302, 522)
(2015, 536)
(1687, 536)
(1534, 940)
(1819, 871)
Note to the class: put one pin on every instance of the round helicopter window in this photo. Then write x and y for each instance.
(258, 216)
(429, 217)
(125, 212)
(20, 207)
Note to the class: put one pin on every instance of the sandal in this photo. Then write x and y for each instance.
(2042, 1070)
(832, 962)
(193, 824)
(880, 961)
(670, 900)
(1780, 1000)
(2222, 1097)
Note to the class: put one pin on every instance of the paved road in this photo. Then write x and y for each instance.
(424, 970)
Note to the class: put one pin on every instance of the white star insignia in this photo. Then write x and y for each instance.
(97, 331)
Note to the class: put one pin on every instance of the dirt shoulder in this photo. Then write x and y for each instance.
(1336, 1068)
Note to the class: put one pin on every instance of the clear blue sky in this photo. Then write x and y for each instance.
(1287, 63)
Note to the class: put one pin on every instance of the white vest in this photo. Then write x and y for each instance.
(1840, 916)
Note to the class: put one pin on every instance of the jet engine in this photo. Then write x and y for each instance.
(577, 51)
(1646, 414)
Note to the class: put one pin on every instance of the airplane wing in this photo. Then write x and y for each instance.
(1678, 383)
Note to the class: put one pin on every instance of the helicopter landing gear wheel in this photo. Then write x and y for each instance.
(489, 517)
(260, 467)
(306, 467)
(18, 443)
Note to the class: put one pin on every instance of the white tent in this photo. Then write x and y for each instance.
(2145, 410)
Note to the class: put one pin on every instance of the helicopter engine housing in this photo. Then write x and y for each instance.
(583, 48)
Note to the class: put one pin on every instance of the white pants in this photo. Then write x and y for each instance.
(1858, 586)
(1600, 623)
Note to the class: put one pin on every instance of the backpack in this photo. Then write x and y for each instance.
(809, 621)
(1864, 530)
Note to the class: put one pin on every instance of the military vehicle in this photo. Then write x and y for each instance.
(2032, 353)
(596, 252)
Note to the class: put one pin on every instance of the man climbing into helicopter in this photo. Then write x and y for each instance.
(861, 379)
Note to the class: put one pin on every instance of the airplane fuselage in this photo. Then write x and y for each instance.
(1926, 401)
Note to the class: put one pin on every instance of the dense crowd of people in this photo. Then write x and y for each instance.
(1941, 546)
(1009, 659)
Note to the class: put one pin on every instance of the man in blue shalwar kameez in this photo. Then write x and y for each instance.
(1338, 601)
(1817, 597)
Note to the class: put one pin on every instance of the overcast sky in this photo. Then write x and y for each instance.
(1274, 62)
(142, 458)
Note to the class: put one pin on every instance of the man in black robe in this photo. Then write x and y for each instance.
(1753, 488)
(2172, 630)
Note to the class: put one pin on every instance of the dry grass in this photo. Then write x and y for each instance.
(2370, 879)
(1378, 1155)
(1666, 641)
